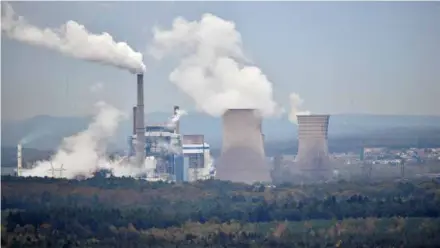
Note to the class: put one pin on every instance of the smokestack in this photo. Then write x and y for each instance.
(177, 130)
(312, 156)
(134, 119)
(242, 158)
(19, 159)
(140, 126)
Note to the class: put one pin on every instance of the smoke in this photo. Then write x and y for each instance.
(169, 147)
(96, 87)
(295, 103)
(175, 118)
(84, 153)
(125, 168)
(74, 40)
(212, 68)
(34, 136)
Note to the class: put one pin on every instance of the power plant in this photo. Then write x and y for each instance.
(242, 157)
(312, 158)
(159, 147)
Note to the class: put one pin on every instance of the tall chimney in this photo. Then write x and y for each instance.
(19, 159)
(134, 119)
(242, 158)
(140, 126)
(177, 130)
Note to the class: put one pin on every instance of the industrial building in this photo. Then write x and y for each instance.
(312, 158)
(242, 157)
(197, 158)
(162, 144)
(173, 160)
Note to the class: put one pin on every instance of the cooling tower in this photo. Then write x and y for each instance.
(242, 158)
(140, 127)
(312, 157)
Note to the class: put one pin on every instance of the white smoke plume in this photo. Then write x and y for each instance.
(97, 87)
(295, 103)
(83, 153)
(176, 117)
(212, 69)
(34, 136)
(74, 40)
(124, 168)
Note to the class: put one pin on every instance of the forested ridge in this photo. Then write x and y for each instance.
(124, 212)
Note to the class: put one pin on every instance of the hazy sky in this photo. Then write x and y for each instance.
(346, 57)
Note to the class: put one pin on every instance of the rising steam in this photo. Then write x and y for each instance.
(84, 153)
(72, 39)
(172, 122)
(212, 70)
(34, 136)
(295, 103)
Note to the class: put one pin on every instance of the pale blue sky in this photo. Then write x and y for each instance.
(341, 57)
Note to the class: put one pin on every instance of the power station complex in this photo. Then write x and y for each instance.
(242, 157)
(163, 153)
(167, 154)
(186, 157)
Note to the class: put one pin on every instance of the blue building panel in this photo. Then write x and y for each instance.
(185, 169)
(179, 168)
(163, 144)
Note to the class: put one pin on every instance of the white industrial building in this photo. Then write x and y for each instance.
(197, 158)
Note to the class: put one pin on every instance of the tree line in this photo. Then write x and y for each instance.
(113, 212)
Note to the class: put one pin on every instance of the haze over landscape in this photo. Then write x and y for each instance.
(385, 66)
(276, 124)
(354, 57)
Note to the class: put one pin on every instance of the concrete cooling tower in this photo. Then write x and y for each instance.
(242, 158)
(312, 159)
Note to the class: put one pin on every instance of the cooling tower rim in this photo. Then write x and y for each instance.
(241, 109)
(256, 112)
(314, 115)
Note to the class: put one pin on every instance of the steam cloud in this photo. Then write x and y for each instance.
(72, 39)
(84, 153)
(96, 87)
(212, 70)
(295, 103)
(34, 136)
(175, 118)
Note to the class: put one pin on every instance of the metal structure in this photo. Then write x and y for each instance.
(59, 170)
(134, 119)
(140, 126)
(177, 128)
(242, 158)
(312, 158)
(197, 154)
(165, 146)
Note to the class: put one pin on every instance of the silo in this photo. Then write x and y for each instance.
(312, 158)
(242, 158)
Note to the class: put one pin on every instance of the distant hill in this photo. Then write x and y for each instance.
(9, 156)
(48, 131)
